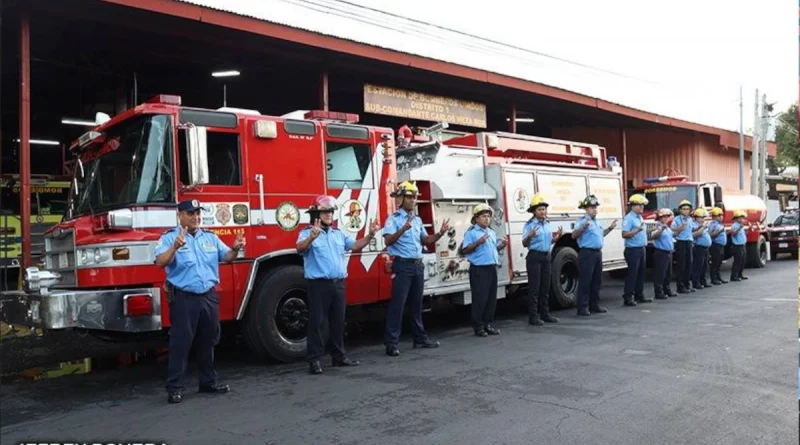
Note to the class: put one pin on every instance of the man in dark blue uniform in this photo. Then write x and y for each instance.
(322, 248)
(191, 257)
(405, 235)
(591, 237)
(635, 235)
(537, 237)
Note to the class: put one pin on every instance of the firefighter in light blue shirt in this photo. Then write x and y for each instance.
(191, 256)
(482, 248)
(323, 248)
(635, 235)
(663, 246)
(719, 239)
(739, 240)
(702, 242)
(590, 236)
(683, 247)
(538, 237)
(404, 235)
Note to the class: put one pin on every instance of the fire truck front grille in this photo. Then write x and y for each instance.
(59, 249)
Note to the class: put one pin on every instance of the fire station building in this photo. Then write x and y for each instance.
(64, 61)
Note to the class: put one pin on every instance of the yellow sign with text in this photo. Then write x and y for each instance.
(608, 193)
(563, 192)
(426, 107)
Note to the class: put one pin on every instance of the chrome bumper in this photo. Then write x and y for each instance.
(64, 309)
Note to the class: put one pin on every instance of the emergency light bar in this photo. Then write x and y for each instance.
(333, 116)
(656, 180)
(85, 139)
(165, 99)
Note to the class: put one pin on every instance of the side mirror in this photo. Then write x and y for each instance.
(197, 152)
(717, 195)
(769, 225)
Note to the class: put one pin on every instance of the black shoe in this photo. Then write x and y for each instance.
(481, 333)
(722, 281)
(535, 321)
(684, 291)
(661, 297)
(345, 362)
(716, 283)
(629, 303)
(392, 351)
(705, 284)
(428, 343)
(697, 286)
(314, 368)
(691, 289)
(744, 277)
(584, 313)
(174, 397)
(214, 389)
(491, 330)
(547, 318)
(598, 310)
(669, 293)
(644, 300)
(733, 280)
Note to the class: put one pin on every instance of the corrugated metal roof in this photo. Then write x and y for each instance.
(394, 33)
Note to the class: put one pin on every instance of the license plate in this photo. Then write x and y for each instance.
(783, 245)
(63, 260)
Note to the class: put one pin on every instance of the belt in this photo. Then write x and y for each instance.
(664, 250)
(591, 248)
(684, 241)
(335, 280)
(407, 260)
(194, 293)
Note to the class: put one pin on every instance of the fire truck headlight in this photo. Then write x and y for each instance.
(84, 257)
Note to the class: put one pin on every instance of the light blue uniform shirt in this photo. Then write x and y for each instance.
(486, 253)
(324, 258)
(686, 233)
(195, 267)
(704, 239)
(544, 235)
(631, 222)
(740, 239)
(409, 245)
(592, 237)
(722, 237)
(665, 241)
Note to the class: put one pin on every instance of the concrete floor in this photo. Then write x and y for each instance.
(716, 367)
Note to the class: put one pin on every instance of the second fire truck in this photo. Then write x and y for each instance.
(257, 175)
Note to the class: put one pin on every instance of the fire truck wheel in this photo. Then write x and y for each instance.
(564, 280)
(757, 254)
(277, 316)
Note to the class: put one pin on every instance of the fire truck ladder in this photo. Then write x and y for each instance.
(524, 149)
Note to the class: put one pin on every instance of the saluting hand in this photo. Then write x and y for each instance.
(409, 222)
(613, 224)
(502, 244)
(180, 240)
(483, 239)
(315, 229)
(560, 231)
(240, 242)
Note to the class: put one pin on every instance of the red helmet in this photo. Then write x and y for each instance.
(323, 203)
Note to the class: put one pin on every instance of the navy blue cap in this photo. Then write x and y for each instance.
(190, 205)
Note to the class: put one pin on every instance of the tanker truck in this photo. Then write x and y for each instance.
(668, 191)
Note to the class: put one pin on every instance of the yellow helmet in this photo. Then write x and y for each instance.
(700, 212)
(638, 199)
(664, 212)
(685, 203)
(407, 188)
(739, 213)
(716, 211)
(480, 208)
(537, 201)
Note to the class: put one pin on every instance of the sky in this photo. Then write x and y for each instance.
(683, 59)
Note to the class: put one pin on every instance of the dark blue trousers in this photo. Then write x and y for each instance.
(683, 257)
(538, 266)
(634, 281)
(699, 266)
(483, 286)
(738, 261)
(194, 319)
(407, 284)
(590, 268)
(663, 273)
(326, 301)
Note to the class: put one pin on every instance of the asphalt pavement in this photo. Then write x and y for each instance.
(715, 367)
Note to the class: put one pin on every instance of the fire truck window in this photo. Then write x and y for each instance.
(183, 158)
(707, 200)
(347, 165)
(223, 159)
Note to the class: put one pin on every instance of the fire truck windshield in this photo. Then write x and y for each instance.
(668, 197)
(134, 165)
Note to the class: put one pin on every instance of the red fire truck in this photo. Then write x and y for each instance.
(669, 190)
(256, 175)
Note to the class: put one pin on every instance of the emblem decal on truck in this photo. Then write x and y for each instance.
(240, 214)
(351, 218)
(521, 200)
(287, 216)
(223, 213)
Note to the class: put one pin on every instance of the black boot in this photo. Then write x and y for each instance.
(628, 301)
(598, 310)
(660, 295)
(314, 367)
(534, 320)
(481, 333)
(491, 330)
(668, 292)
(547, 318)
(428, 343)
(584, 312)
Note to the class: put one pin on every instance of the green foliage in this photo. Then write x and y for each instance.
(787, 139)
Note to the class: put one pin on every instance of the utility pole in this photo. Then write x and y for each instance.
(754, 154)
(763, 154)
(741, 141)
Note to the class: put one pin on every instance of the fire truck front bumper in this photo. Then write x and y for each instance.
(121, 310)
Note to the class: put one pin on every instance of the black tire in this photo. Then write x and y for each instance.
(277, 317)
(564, 279)
(756, 254)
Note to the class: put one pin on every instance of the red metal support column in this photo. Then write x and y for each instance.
(512, 120)
(624, 144)
(323, 90)
(24, 133)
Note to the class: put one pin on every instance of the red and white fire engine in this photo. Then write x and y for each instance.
(668, 191)
(256, 175)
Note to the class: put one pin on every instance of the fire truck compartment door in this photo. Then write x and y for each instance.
(518, 193)
(608, 191)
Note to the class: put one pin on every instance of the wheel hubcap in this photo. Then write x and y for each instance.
(291, 316)
(569, 278)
